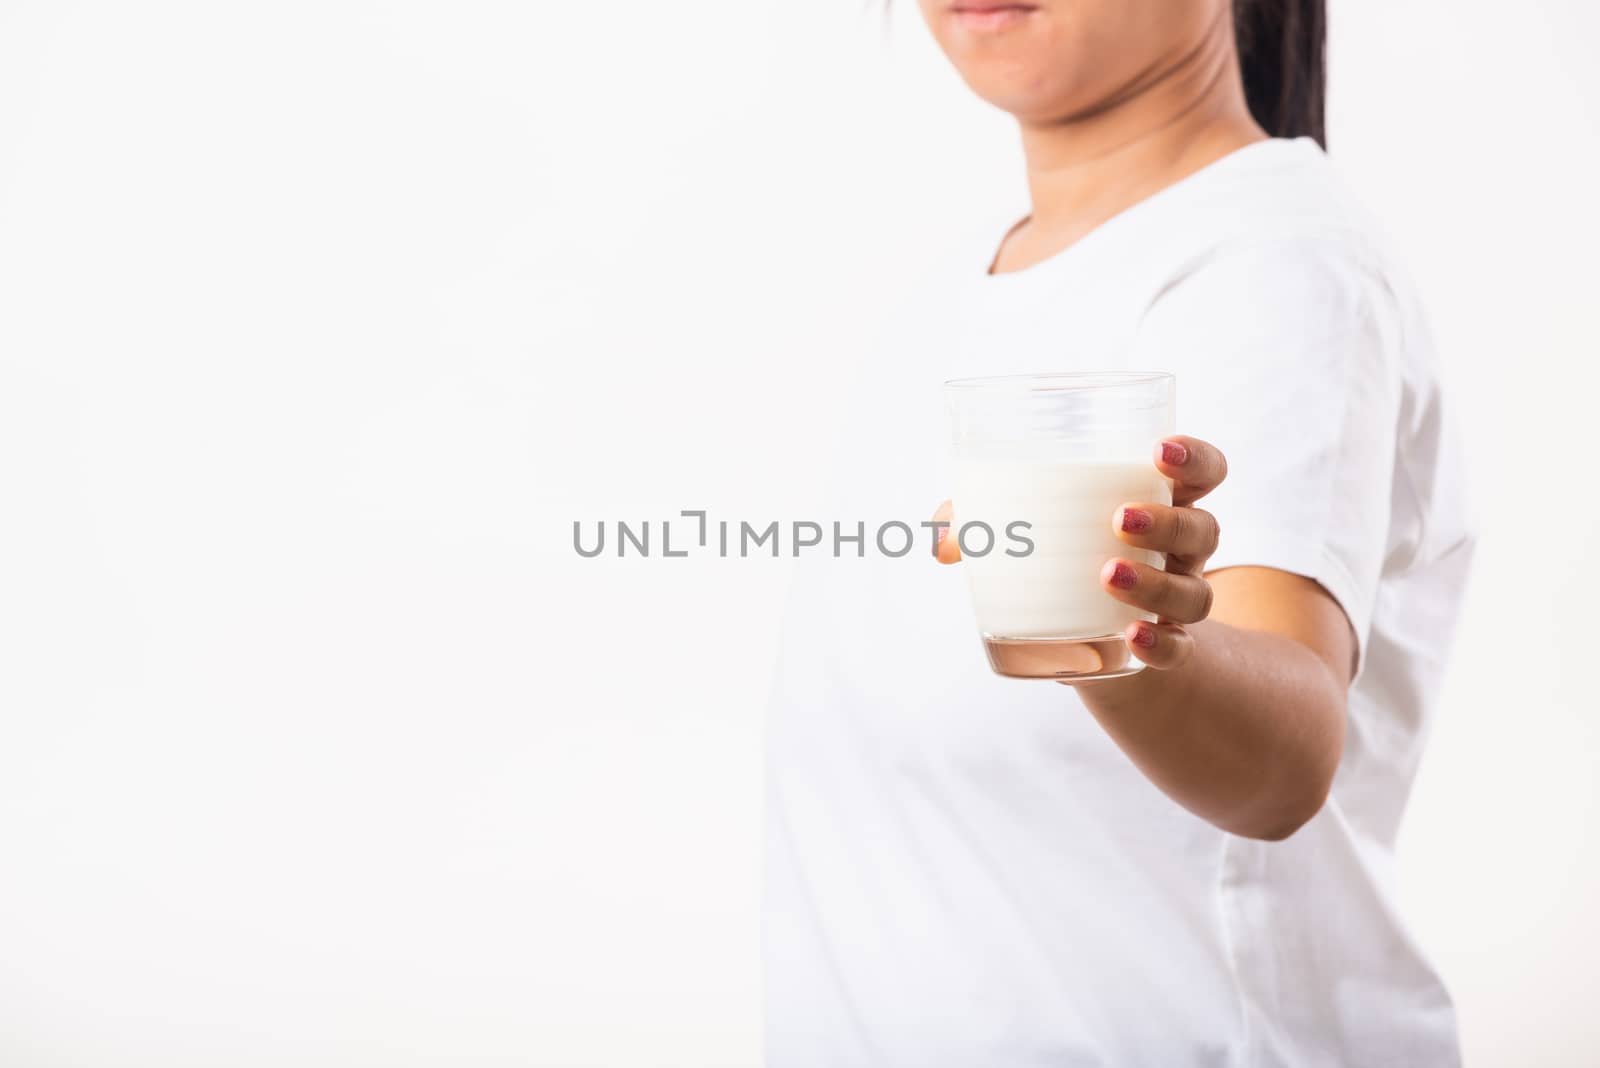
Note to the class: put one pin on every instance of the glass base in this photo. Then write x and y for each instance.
(1105, 657)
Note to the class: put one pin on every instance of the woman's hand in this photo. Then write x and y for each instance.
(1245, 727)
(1180, 594)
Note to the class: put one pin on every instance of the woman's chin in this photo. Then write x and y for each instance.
(1020, 97)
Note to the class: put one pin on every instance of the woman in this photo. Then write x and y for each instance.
(1193, 864)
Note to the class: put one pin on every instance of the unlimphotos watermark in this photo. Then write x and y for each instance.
(743, 539)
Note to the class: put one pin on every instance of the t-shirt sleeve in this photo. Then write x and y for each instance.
(1287, 358)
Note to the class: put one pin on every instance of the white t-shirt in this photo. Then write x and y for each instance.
(964, 871)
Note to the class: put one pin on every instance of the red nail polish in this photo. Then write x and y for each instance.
(1173, 454)
(1144, 636)
(1136, 520)
(1123, 576)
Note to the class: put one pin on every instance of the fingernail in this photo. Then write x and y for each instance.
(1173, 454)
(1144, 636)
(1123, 576)
(939, 534)
(1136, 520)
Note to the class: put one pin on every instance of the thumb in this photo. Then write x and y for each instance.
(946, 550)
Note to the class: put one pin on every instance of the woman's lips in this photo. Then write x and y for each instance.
(990, 16)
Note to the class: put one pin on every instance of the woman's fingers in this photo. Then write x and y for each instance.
(1160, 645)
(1196, 467)
(1187, 535)
(947, 550)
(1175, 597)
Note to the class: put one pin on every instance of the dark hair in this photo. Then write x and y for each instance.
(1283, 56)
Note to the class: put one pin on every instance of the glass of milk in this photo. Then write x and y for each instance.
(1058, 453)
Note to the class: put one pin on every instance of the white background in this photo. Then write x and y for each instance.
(321, 322)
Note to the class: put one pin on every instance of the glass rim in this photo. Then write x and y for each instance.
(1059, 381)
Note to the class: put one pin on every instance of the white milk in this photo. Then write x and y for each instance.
(1055, 591)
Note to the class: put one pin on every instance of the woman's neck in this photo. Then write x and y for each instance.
(1169, 123)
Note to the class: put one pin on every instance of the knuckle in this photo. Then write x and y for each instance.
(1185, 530)
(1168, 597)
(1168, 522)
(1185, 598)
(1177, 523)
(1194, 532)
(1211, 533)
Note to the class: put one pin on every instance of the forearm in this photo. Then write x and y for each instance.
(1239, 713)
(1246, 733)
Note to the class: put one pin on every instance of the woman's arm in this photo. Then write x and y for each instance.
(1246, 729)
(1240, 717)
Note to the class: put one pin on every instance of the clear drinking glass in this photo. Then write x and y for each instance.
(1058, 453)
